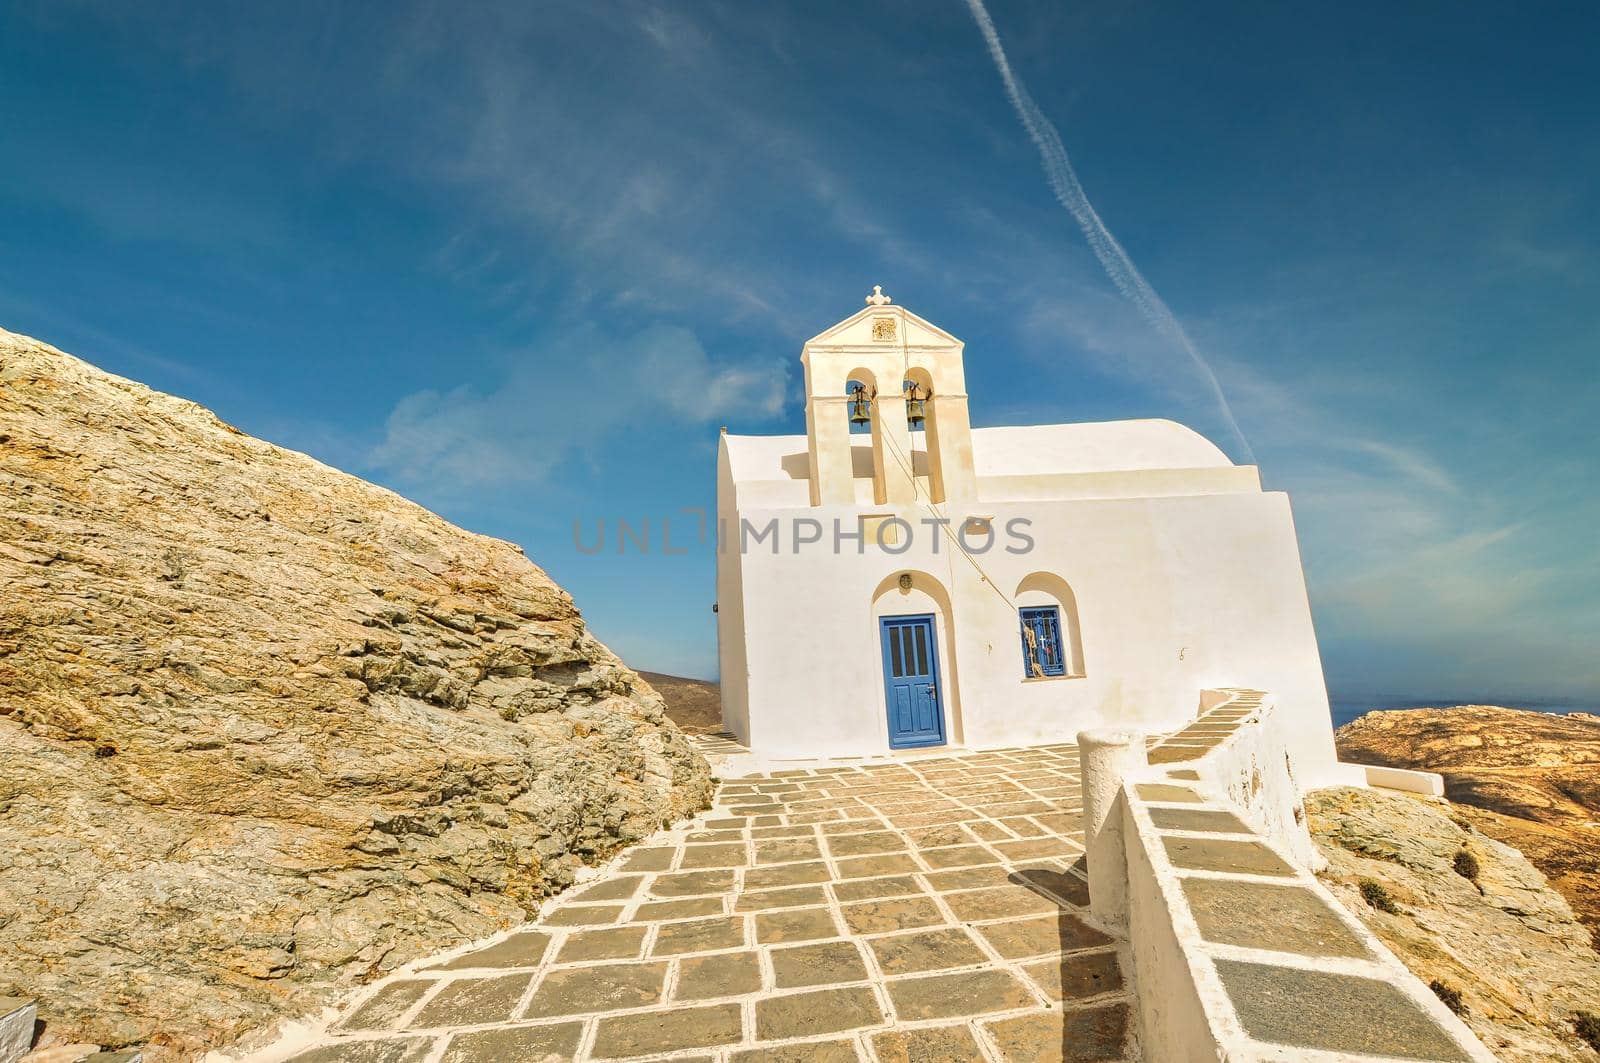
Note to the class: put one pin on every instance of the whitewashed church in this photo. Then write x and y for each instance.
(895, 580)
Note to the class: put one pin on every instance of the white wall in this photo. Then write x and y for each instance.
(1174, 594)
(733, 678)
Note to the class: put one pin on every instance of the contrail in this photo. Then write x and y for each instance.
(1064, 182)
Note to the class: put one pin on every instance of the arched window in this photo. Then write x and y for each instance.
(858, 406)
(1047, 621)
(918, 388)
(860, 389)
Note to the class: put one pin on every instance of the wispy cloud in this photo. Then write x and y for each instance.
(1411, 465)
(1118, 265)
(563, 400)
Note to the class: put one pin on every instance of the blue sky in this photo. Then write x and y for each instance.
(519, 262)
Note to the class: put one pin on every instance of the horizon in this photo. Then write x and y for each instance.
(520, 270)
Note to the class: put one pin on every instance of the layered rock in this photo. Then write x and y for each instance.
(269, 730)
(1530, 779)
(1466, 913)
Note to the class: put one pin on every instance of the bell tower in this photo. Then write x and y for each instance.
(909, 373)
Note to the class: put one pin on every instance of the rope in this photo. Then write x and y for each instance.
(909, 468)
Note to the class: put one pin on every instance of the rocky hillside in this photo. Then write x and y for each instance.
(695, 705)
(1530, 779)
(1466, 913)
(269, 730)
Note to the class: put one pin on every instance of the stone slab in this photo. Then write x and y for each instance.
(865, 844)
(959, 856)
(468, 1001)
(797, 924)
(390, 1050)
(883, 864)
(805, 1052)
(787, 850)
(816, 1013)
(776, 875)
(937, 1044)
(793, 897)
(998, 903)
(384, 1008)
(1038, 848)
(692, 883)
(1279, 918)
(1053, 883)
(723, 974)
(944, 996)
(1078, 977)
(1332, 1013)
(1210, 854)
(927, 950)
(612, 943)
(1213, 820)
(525, 949)
(1022, 938)
(582, 915)
(620, 1036)
(557, 1040)
(621, 888)
(867, 889)
(823, 963)
(702, 856)
(1158, 791)
(603, 987)
(886, 916)
(1079, 1036)
(1175, 754)
(699, 935)
(654, 858)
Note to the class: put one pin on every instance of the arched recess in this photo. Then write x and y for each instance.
(863, 459)
(925, 595)
(866, 379)
(921, 379)
(1047, 588)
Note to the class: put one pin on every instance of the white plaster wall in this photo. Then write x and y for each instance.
(1092, 446)
(1175, 594)
(1259, 775)
(778, 493)
(731, 663)
(1029, 450)
(1133, 483)
(1175, 1000)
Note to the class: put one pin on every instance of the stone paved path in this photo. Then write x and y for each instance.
(928, 909)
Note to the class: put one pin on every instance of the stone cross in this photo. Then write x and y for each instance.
(877, 298)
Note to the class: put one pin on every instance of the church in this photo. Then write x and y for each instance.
(897, 581)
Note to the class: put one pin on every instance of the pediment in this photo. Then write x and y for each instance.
(877, 327)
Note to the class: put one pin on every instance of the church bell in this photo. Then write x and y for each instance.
(916, 405)
(860, 406)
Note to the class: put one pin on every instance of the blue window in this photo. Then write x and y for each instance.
(1041, 642)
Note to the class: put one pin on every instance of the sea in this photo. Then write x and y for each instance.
(1347, 708)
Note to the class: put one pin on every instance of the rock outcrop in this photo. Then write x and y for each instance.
(267, 730)
(1530, 779)
(1466, 913)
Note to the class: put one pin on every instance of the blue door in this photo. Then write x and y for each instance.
(911, 682)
